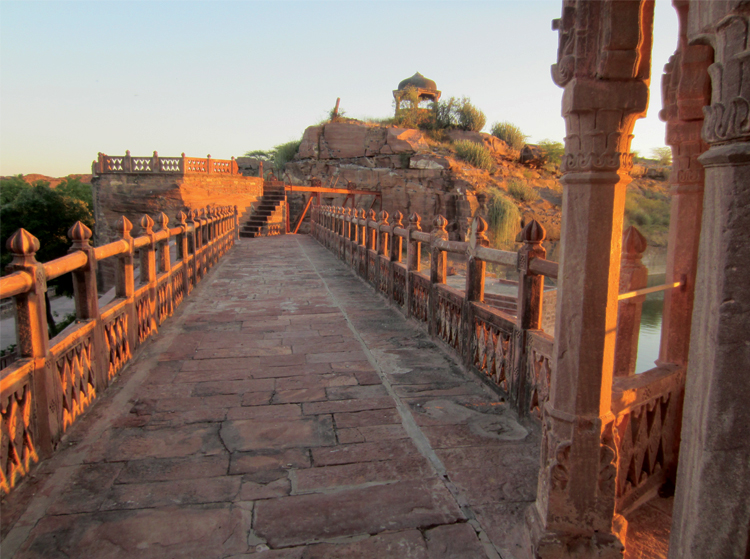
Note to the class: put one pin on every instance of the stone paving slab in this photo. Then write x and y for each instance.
(285, 411)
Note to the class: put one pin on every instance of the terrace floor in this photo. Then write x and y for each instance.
(285, 411)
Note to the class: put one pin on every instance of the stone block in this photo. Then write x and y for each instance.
(371, 510)
(309, 148)
(244, 435)
(405, 140)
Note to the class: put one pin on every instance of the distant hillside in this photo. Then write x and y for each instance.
(53, 181)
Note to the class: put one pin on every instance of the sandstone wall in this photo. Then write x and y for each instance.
(133, 195)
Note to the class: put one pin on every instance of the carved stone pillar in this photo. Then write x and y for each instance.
(685, 90)
(633, 275)
(711, 516)
(604, 67)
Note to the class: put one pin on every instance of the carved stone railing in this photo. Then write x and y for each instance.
(512, 351)
(54, 381)
(501, 348)
(645, 432)
(118, 164)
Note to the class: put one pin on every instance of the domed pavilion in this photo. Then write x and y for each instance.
(426, 89)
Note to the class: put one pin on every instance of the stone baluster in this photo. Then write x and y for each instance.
(474, 291)
(373, 237)
(182, 251)
(165, 260)
(87, 300)
(476, 268)
(340, 237)
(32, 336)
(127, 163)
(125, 278)
(413, 256)
(155, 163)
(383, 237)
(397, 241)
(235, 224)
(148, 268)
(633, 275)
(438, 269)
(529, 315)
(604, 67)
(147, 253)
(395, 249)
(711, 512)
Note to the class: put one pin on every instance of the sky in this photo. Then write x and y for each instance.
(226, 77)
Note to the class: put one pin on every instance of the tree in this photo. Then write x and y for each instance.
(663, 155)
(11, 187)
(552, 152)
(47, 214)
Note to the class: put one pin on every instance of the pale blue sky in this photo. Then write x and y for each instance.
(225, 77)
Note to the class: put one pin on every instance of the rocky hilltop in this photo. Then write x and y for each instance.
(420, 172)
(417, 173)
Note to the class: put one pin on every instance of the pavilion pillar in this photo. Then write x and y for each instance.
(711, 516)
(604, 67)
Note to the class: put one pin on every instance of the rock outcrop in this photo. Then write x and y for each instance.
(412, 172)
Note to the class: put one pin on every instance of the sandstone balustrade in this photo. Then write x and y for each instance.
(514, 353)
(54, 381)
(115, 164)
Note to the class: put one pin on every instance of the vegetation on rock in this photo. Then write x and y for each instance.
(510, 134)
(475, 154)
(552, 152)
(521, 191)
(453, 113)
(279, 155)
(503, 219)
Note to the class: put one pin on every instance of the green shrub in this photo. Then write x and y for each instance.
(503, 217)
(475, 154)
(521, 191)
(469, 117)
(284, 153)
(552, 152)
(510, 134)
(649, 211)
(444, 114)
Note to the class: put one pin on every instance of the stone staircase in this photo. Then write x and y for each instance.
(267, 218)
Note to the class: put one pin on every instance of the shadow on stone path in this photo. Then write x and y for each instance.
(285, 411)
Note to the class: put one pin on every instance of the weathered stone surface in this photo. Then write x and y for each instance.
(361, 473)
(455, 541)
(209, 531)
(305, 518)
(244, 435)
(405, 140)
(403, 545)
(252, 462)
(167, 469)
(166, 493)
(87, 490)
(429, 162)
(309, 148)
(340, 140)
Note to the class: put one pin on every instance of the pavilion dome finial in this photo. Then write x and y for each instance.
(418, 81)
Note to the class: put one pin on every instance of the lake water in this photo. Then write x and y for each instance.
(650, 334)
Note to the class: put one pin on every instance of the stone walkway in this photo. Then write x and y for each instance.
(285, 411)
